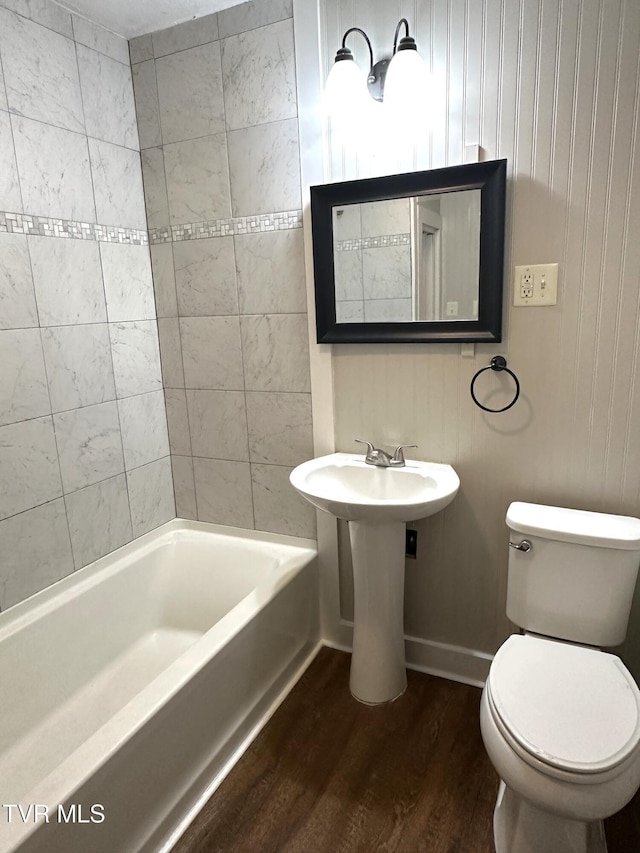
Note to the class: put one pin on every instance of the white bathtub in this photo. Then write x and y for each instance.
(128, 689)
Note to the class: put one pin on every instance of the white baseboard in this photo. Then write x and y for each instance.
(456, 663)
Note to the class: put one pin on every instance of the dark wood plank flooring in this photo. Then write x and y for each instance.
(330, 775)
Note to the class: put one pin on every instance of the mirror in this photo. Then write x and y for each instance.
(416, 257)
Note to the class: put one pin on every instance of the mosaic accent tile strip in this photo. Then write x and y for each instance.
(373, 242)
(228, 227)
(46, 226)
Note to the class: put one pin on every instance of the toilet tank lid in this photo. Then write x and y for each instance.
(575, 525)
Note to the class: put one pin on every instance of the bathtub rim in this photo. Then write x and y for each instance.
(37, 605)
(126, 723)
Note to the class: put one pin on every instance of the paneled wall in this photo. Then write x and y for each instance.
(217, 112)
(553, 86)
(84, 454)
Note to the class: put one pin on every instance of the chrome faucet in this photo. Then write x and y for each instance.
(381, 458)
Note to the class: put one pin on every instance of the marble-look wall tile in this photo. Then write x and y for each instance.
(279, 427)
(145, 89)
(89, 445)
(128, 282)
(10, 197)
(276, 352)
(107, 94)
(184, 487)
(386, 272)
(386, 217)
(43, 12)
(223, 492)
(197, 174)
(271, 275)
(155, 188)
(29, 470)
(141, 48)
(99, 519)
(36, 552)
(79, 368)
(218, 424)
(164, 282)
(41, 73)
(144, 429)
(190, 93)
(211, 353)
(170, 352)
(249, 16)
(178, 421)
(117, 184)
(259, 76)
(53, 166)
(151, 495)
(264, 167)
(136, 357)
(348, 275)
(185, 35)
(17, 296)
(92, 35)
(68, 281)
(23, 379)
(278, 507)
(350, 311)
(387, 310)
(347, 222)
(3, 93)
(205, 277)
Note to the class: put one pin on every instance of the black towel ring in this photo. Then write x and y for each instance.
(498, 362)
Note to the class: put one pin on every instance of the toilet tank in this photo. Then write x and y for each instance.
(576, 582)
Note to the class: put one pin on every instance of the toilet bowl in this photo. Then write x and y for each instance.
(560, 718)
(561, 725)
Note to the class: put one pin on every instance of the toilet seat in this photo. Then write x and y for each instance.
(573, 709)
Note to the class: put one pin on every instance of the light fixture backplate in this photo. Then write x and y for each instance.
(376, 78)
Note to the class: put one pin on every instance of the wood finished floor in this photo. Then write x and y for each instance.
(329, 775)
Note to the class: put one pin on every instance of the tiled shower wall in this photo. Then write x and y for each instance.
(84, 454)
(217, 115)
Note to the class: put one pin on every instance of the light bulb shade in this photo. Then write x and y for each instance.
(346, 99)
(406, 87)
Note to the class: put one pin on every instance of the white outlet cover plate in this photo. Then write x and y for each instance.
(545, 285)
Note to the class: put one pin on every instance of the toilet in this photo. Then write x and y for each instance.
(560, 718)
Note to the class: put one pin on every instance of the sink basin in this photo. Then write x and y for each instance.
(346, 486)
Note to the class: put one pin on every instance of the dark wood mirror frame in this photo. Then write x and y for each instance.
(490, 177)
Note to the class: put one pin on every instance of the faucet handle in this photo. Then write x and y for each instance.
(398, 456)
(375, 456)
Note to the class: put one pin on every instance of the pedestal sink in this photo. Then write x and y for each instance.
(377, 502)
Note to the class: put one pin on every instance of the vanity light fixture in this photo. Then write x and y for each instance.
(397, 81)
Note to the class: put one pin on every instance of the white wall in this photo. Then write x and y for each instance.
(553, 87)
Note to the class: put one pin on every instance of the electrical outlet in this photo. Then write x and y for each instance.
(452, 309)
(411, 544)
(535, 285)
(526, 285)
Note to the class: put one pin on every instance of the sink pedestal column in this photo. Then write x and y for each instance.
(378, 671)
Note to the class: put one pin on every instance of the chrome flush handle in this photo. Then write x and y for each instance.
(525, 545)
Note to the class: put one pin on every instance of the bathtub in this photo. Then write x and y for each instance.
(129, 689)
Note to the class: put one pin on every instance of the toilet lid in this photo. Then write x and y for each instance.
(571, 707)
